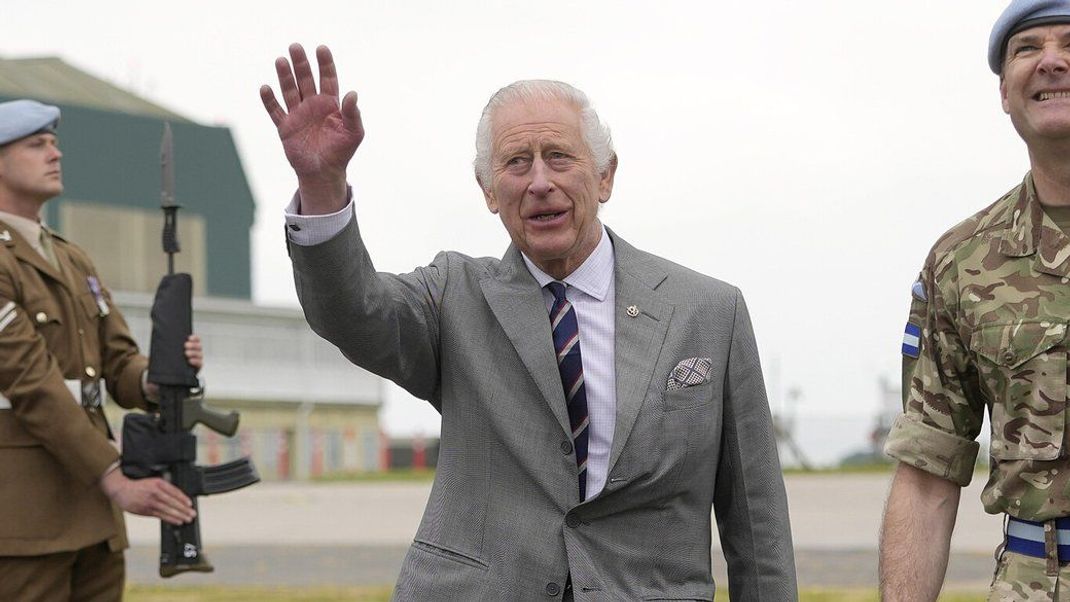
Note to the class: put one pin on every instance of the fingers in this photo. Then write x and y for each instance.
(302, 71)
(274, 111)
(328, 75)
(168, 503)
(287, 85)
(149, 497)
(194, 351)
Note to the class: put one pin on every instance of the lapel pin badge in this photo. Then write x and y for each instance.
(633, 311)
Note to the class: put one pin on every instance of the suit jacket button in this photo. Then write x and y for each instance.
(571, 520)
(41, 317)
(566, 447)
(552, 589)
(90, 372)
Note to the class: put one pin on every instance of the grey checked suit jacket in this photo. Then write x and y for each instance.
(504, 520)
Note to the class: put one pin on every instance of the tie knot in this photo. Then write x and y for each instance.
(558, 290)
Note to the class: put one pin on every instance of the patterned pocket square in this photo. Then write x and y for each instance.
(690, 372)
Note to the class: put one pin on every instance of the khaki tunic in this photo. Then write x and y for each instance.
(52, 450)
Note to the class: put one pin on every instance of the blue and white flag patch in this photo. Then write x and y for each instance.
(912, 340)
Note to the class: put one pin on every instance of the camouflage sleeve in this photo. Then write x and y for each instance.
(942, 407)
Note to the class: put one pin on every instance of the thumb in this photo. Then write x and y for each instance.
(350, 113)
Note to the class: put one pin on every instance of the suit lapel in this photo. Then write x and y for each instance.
(517, 303)
(638, 338)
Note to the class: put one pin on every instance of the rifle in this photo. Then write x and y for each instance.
(160, 443)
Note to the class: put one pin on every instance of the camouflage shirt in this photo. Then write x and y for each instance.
(990, 315)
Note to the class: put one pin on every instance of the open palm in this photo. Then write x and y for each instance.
(318, 134)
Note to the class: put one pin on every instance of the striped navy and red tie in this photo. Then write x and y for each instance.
(567, 345)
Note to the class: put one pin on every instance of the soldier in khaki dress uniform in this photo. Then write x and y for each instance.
(988, 328)
(61, 342)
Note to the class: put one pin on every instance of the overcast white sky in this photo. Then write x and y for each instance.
(807, 152)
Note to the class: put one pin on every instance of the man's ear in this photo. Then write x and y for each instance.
(1003, 94)
(488, 196)
(605, 184)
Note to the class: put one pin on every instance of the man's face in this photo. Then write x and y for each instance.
(545, 186)
(1035, 85)
(30, 169)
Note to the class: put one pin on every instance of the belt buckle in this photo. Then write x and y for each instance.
(91, 394)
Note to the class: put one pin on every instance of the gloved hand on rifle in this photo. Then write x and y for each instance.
(154, 496)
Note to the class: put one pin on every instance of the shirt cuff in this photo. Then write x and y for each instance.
(155, 399)
(308, 230)
(113, 466)
(937, 452)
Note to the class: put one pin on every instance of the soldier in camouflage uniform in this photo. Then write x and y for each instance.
(988, 327)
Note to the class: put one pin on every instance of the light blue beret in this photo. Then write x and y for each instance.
(1021, 15)
(20, 118)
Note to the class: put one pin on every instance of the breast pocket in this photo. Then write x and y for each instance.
(1023, 369)
(46, 316)
(689, 397)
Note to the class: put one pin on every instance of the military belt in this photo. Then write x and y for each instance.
(1031, 538)
(90, 394)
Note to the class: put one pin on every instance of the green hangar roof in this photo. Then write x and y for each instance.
(111, 165)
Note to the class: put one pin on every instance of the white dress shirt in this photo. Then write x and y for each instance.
(591, 292)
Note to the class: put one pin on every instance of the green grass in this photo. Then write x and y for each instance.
(868, 595)
(219, 593)
(142, 593)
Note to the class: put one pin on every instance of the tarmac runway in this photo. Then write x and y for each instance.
(357, 533)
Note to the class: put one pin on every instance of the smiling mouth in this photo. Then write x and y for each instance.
(545, 217)
(1042, 96)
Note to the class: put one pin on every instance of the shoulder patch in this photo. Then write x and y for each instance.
(912, 340)
(918, 291)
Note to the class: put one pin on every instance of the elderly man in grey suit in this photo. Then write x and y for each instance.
(596, 400)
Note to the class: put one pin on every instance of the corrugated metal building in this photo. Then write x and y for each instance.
(305, 409)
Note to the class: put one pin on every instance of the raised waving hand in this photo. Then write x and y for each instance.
(318, 134)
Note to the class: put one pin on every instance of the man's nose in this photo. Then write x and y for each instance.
(540, 179)
(1054, 59)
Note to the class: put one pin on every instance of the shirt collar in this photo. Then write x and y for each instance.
(27, 228)
(1033, 231)
(593, 277)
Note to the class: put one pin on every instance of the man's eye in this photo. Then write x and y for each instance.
(1023, 49)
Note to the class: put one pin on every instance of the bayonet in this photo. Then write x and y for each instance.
(167, 168)
(167, 198)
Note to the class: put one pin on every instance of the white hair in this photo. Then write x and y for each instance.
(595, 133)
